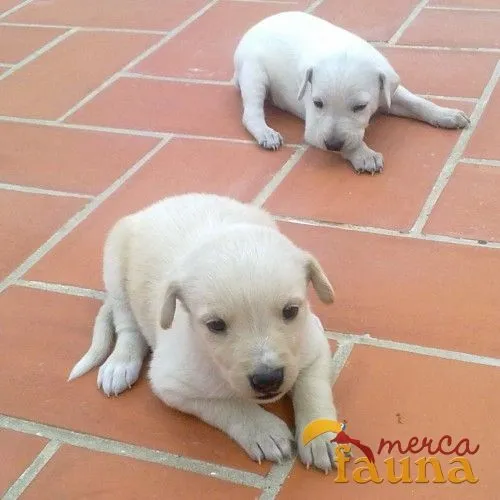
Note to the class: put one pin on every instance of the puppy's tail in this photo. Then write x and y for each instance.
(102, 342)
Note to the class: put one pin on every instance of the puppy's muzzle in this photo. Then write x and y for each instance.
(334, 144)
(267, 381)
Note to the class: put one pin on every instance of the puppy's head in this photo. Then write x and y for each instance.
(341, 94)
(245, 291)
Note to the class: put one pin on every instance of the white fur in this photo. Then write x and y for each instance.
(173, 267)
(297, 59)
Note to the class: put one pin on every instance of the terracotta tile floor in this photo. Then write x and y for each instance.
(108, 106)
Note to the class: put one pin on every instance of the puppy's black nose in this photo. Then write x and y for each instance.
(267, 380)
(334, 144)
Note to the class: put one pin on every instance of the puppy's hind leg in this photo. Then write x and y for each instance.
(122, 368)
(253, 83)
(406, 104)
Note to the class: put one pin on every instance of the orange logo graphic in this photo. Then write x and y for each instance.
(369, 472)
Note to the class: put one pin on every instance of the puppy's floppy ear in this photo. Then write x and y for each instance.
(389, 82)
(307, 79)
(319, 280)
(168, 307)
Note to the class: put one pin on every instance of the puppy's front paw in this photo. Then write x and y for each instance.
(365, 159)
(116, 375)
(319, 453)
(270, 139)
(452, 118)
(265, 438)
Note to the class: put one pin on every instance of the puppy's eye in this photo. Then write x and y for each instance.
(290, 312)
(359, 107)
(217, 326)
(318, 103)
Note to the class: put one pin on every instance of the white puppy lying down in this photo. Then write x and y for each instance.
(330, 78)
(231, 291)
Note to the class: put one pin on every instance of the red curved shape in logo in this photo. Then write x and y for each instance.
(343, 438)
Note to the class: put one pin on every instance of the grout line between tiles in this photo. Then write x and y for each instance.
(449, 98)
(380, 44)
(406, 23)
(126, 131)
(455, 154)
(24, 480)
(64, 289)
(280, 2)
(280, 472)
(86, 128)
(144, 76)
(74, 221)
(37, 53)
(113, 447)
(137, 60)
(47, 192)
(366, 339)
(17, 7)
(275, 479)
(279, 176)
(313, 6)
(340, 357)
(437, 238)
(86, 28)
(477, 161)
(227, 139)
(458, 8)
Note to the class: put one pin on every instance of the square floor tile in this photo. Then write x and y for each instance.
(17, 451)
(374, 21)
(184, 108)
(454, 73)
(454, 28)
(19, 42)
(469, 206)
(205, 49)
(54, 82)
(65, 159)
(395, 395)
(124, 14)
(27, 221)
(184, 165)
(108, 477)
(414, 291)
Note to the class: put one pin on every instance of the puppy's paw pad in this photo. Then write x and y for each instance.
(269, 439)
(367, 161)
(452, 118)
(270, 139)
(319, 453)
(117, 375)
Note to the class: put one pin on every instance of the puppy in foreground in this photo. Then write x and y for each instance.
(332, 79)
(219, 295)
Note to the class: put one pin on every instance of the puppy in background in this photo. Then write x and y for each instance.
(219, 295)
(332, 79)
